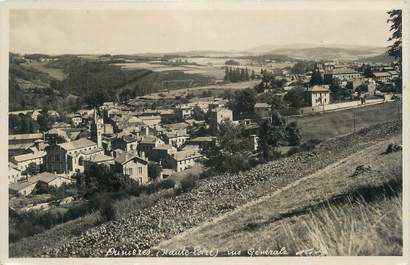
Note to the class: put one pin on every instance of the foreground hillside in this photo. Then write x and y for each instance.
(347, 208)
(144, 224)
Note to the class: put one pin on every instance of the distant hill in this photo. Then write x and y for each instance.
(325, 53)
(314, 52)
(381, 58)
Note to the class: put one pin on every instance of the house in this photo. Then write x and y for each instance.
(66, 157)
(341, 74)
(40, 181)
(175, 138)
(183, 112)
(203, 142)
(77, 119)
(381, 76)
(148, 143)
(98, 159)
(160, 152)
(46, 179)
(182, 160)
(19, 149)
(126, 143)
(318, 95)
(22, 188)
(53, 113)
(132, 165)
(180, 126)
(167, 114)
(23, 161)
(151, 120)
(217, 116)
(14, 174)
(263, 110)
(393, 74)
(254, 141)
(24, 138)
(35, 114)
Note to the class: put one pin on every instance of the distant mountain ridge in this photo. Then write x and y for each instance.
(320, 52)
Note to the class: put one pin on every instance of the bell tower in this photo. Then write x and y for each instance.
(97, 129)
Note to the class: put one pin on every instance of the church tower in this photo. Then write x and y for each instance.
(97, 129)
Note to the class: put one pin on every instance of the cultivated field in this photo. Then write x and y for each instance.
(331, 124)
(42, 67)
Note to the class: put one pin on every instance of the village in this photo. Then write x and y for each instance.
(151, 145)
(197, 132)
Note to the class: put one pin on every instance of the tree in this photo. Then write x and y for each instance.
(293, 134)
(198, 114)
(316, 78)
(231, 139)
(253, 76)
(395, 18)
(32, 169)
(154, 170)
(270, 135)
(243, 102)
(295, 97)
(362, 89)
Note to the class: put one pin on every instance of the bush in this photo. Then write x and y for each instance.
(108, 212)
(167, 184)
(188, 182)
(236, 162)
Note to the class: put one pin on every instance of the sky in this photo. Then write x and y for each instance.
(139, 31)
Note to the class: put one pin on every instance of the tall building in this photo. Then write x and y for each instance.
(97, 129)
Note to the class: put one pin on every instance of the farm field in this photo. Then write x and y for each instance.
(197, 91)
(42, 67)
(282, 218)
(331, 124)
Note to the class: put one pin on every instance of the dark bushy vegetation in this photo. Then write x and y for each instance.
(188, 183)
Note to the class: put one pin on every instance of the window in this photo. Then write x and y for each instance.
(139, 170)
(130, 171)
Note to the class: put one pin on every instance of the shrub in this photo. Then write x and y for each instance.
(108, 212)
(237, 162)
(167, 184)
(188, 182)
(150, 188)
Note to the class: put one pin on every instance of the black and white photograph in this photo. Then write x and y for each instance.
(206, 132)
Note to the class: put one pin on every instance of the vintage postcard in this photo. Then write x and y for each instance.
(230, 132)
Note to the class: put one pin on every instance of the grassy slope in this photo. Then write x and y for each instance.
(332, 124)
(56, 73)
(186, 211)
(273, 222)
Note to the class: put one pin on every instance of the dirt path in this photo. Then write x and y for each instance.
(231, 220)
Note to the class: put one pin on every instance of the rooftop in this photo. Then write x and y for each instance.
(186, 154)
(20, 146)
(92, 151)
(203, 139)
(100, 158)
(148, 140)
(381, 74)
(124, 157)
(262, 105)
(28, 136)
(339, 71)
(30, 156)
(77, 144)
(317, 88)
